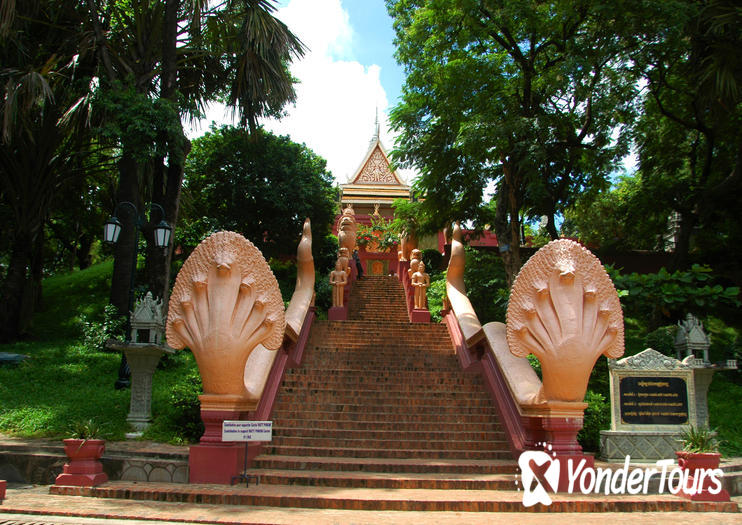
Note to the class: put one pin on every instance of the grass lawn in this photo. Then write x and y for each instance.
(63, 381)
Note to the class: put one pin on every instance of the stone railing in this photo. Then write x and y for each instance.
(563, 309)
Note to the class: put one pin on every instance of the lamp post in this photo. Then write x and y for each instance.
(111, 230)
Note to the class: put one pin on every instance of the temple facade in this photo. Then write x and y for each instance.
(370, 192)
(374, 185)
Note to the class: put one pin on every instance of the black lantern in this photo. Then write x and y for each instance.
(163, 231)
(111, 230)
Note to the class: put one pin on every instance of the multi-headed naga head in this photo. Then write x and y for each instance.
(564, 309)
(225, 302)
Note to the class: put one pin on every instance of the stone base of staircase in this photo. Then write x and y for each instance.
(372, 499)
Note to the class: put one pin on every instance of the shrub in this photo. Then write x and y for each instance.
(96, 333)
(597, 418)
(662, 339)
(699, 440)
(436, 293)
(185, 408)
(486, 285)
(433, 260)
(285, 273)
(322, 292)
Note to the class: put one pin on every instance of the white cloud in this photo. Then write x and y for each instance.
(337, 97)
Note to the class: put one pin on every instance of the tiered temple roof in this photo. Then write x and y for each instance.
(374, 183)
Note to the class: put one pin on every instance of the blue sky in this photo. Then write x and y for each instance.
(347, 75)
(375, 42)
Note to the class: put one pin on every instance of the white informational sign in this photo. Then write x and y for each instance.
(247, 430)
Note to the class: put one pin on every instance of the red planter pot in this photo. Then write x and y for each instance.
(701, 461)
(84, 468)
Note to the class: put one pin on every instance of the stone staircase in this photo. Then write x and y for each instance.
(380, 417)
(380, 403)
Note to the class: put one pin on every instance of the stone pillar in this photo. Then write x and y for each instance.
(142, 362)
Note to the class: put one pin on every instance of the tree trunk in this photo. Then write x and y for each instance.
(159, 260)
(507, 222)
(680, 259)
(551, 227)
(31, 299)
(124, 255)
(14, 286)
(84, 259)
(508, 238)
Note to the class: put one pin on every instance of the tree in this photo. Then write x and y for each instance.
(622, 218)
(689, 137)
(530, 96)
(260, 185)
(162, 61)
(45, 81)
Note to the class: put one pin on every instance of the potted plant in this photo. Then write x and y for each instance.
(84, 449)
(700, 453)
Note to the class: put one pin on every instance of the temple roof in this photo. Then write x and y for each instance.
(375, 181)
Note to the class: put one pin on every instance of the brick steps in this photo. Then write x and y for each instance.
(392, 426)
(384, 480)
(435, 445)
(386, 465)
(327, 419)
(267, 495)
(382, 404)
(370, 433)
(337, 452)
(391, 405)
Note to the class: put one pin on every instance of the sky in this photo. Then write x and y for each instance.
(347, 74)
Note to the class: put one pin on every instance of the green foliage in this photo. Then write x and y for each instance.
(699, 439)
(322, 293)
(532, 97)
(724, 394)
(436, 293)
(185, 409)
(667, 296)
(138, 121)
(327, 253)
(433, 260)
(95, 334)
(85, 429)
(285, 273)
(535, 364)
(486, 285)
(379, 235)
(689, 131)
(622, 217)
(662, 339)
(597, 417)
(260, 185)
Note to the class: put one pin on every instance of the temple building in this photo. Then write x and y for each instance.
(374, 185)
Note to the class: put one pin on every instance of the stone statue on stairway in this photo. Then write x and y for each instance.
(344, 259)
(338, 280)
(420, 282)
(415, 257)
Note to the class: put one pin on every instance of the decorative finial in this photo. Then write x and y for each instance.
(377, 128)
